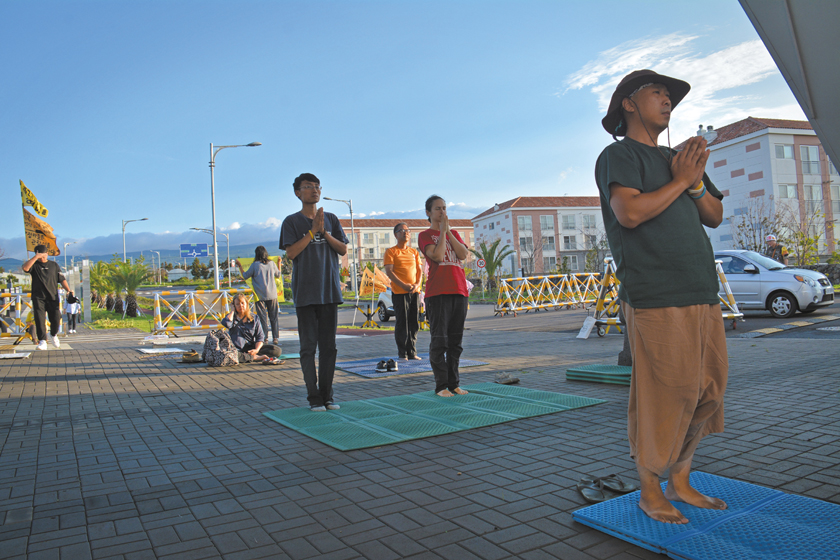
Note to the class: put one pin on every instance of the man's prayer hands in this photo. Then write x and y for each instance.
(688, 165)
(318, 222)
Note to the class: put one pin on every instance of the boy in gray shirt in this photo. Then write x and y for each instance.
(314, 240)
(262, 272)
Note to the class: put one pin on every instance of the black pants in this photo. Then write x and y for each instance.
(446, 314)
(407, 323)
(41, 308)
(71, 321)
(267, 312)
(317, 325)
(265, 350)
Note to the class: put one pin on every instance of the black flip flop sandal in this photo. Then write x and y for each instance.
(611, 482)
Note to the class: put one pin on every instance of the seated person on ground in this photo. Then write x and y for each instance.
(247, 333)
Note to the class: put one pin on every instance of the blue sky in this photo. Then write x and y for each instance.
(109, 108)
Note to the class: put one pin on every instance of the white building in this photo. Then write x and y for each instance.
(776, 163)
(543, 230)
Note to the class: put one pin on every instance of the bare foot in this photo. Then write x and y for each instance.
(660, 509)
(691, 496)
(445, 393)
(414, 358)
(459, 391)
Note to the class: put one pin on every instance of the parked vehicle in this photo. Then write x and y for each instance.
(385, 305)
(759, 282)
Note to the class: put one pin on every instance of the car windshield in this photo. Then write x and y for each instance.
(766, 262)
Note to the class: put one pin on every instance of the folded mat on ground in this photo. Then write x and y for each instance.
(758, 524)
(367, 367)
(600, 373)
(375, 422)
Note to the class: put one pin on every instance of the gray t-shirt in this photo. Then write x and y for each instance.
(263, 275)
(315, 271)
(667, 261)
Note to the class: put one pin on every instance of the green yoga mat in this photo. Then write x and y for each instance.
(387, 420)
(600, 373)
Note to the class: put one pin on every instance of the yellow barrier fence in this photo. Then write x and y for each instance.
(607, 306)
(537, 293)
(16, 326)
(193, 320)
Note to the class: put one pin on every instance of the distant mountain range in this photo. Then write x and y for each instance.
(166, 255)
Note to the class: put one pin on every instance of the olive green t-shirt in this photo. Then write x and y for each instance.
(667, 261)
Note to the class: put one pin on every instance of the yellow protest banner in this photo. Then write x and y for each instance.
(39, 232)
(246, 264)
(373, 281)
(29, 199)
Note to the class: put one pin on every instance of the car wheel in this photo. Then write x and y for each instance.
(383, 313)
(781, 305)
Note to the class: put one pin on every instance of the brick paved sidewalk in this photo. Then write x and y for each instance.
(110, 454)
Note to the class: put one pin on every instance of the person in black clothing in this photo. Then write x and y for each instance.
(248, 335)
(46, 276)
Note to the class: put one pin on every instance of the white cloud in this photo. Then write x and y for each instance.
(233, 226)
(714, 77)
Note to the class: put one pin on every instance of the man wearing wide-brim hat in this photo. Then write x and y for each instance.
(655, 203)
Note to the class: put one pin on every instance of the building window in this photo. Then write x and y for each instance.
(549, 264)
(492, 225)
(784, 151)
(810, 159)
(589, 221)
(367, 254)
(590, 241)
(835, 200)
(524, 223)
(787, 191)
(527, 265)
(526, 244)
(569, 243)
(548, 243)
(831, 168)
(573, 262)
(813, 198)
(367, 238)
(546, 222)
(569, 222)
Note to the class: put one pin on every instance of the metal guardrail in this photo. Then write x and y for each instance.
(16, 326)
(554, 291)
(192, 319)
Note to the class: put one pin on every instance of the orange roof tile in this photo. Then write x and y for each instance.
(544, 202)
(748, 126)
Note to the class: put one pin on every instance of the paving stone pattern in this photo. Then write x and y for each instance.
(109, 454)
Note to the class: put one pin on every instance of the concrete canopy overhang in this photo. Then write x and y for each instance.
(803, 39)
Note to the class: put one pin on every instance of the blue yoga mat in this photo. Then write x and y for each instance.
(759, 524)
(367, 367)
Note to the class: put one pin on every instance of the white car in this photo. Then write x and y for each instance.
(385, 305)
(759, 282)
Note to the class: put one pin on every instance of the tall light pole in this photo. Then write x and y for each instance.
(65, 252)
(355, 263)
(123, 225)
(213, 200)
(227, 242)
(153, 262)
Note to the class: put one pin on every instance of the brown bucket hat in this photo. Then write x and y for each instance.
(613, 122)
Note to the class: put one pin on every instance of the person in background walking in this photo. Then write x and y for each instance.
(46, 276)
(262, 272)
(776, 251)
(72, 309)
(403, 267)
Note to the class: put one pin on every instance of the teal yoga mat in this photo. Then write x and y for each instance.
(376, 422)
(600, 373)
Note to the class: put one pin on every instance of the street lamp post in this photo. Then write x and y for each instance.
(355, 263)
(213, 200)
(124, 222)
(65, 252)
(227, 242)
(159, 265)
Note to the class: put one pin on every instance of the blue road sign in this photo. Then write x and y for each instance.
(193, 250)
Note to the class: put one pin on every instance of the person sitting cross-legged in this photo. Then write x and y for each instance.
(247, 334)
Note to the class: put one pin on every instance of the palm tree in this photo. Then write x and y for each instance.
(493, 257)
(129, 277)
(101, 285)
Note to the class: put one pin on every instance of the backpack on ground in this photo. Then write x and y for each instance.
(219, 350)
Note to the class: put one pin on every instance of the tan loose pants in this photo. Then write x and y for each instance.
(680, 369)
